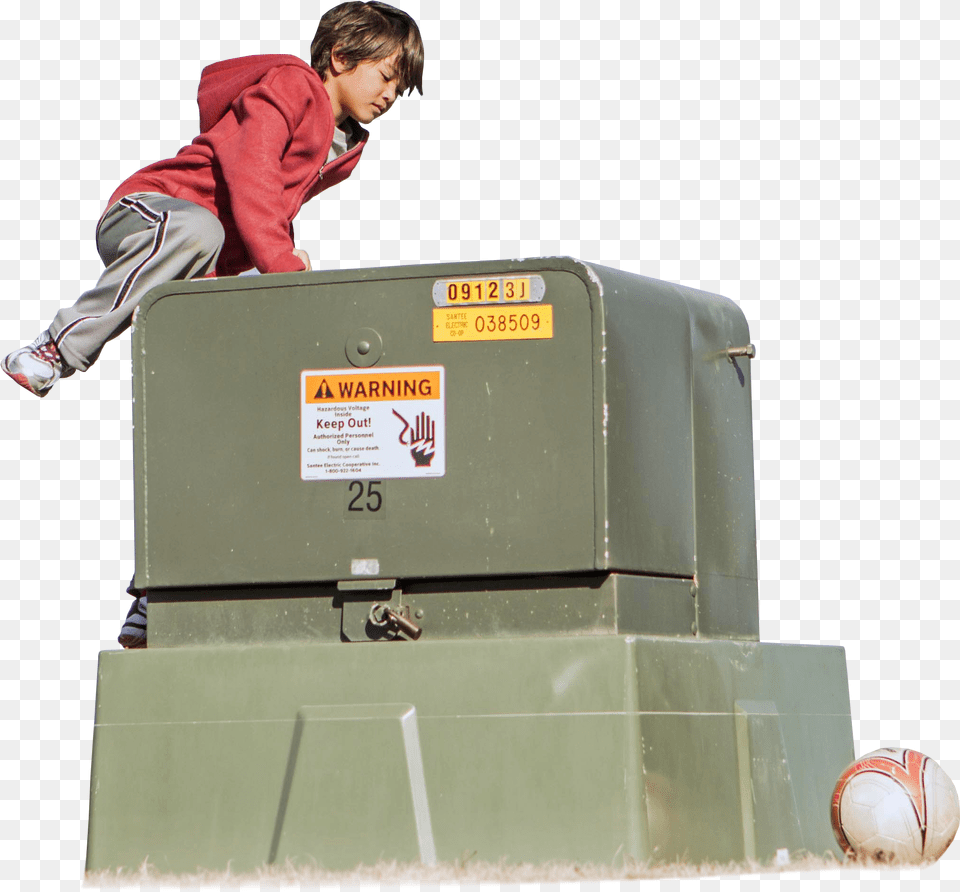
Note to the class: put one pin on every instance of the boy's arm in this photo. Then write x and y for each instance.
(250, 160)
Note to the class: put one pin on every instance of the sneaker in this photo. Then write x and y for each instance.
(38, 366)
(134, 631)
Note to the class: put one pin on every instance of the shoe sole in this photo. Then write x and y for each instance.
(23, 381)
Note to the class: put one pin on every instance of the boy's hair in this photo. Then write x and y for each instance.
(368, 32)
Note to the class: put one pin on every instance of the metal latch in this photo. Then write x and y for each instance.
(388, 618)
(749, 351)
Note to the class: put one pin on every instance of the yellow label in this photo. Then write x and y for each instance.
(480, 291)
(372, 386)
(520, 323)
(516, 289)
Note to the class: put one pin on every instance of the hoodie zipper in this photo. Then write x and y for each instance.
(342, 159)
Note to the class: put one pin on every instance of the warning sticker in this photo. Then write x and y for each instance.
(364, 424)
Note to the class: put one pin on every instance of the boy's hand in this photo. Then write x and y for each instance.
(303, 256)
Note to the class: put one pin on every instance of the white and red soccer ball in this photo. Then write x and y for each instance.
(895, 805)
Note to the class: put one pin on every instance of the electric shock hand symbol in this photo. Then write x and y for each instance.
(420, 437)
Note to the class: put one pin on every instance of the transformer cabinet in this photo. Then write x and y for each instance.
(452, 559)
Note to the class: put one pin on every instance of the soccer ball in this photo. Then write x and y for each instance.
(895, 805)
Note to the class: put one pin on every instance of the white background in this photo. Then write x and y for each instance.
(797, 157)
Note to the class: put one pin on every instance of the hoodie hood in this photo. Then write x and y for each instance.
(222, 82)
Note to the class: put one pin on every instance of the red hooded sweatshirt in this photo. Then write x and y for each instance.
(266, 127)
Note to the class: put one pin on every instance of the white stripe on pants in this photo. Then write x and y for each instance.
(144, 240)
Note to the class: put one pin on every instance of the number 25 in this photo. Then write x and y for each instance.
(374, 497)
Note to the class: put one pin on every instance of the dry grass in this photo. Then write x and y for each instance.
(462, 871)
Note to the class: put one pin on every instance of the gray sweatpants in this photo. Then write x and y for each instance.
(144, 240)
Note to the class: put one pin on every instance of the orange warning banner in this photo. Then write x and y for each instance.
(372, 386)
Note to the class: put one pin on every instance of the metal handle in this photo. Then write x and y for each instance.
(381, 615)
(749, 351)
(408, 627)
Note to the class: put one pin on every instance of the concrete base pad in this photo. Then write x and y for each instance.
(584, 748)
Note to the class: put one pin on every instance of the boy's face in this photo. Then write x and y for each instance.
(364, 92)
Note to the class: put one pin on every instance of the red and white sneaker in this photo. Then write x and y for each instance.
(38, 366)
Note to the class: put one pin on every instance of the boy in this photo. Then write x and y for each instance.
(274, 132)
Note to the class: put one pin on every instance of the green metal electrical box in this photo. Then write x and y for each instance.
(453, 558)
